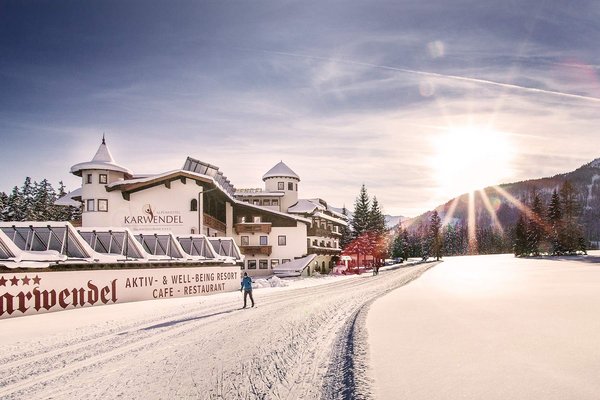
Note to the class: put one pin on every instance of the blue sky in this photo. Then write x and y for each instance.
(344, 92)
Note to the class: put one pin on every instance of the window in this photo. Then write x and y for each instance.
(88, 178)
(103, 205)
(256, 202)
(246, 201)
(280, 186)
(285, 260)
(275, 203)
(103, 178)
(257, 220)
(274, 263)
(194, 205)
(281, 240)
(290, 186)
(263, 264)
(266, 202)
(90, 205)
(245, 240)
(251, 264)
(296, 187)
(264, 240)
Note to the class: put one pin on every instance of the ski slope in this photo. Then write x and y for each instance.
(298, 343)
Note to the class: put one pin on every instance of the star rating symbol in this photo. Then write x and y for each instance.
(14, 281)
(3, 281)
(25, 280)
(36, 280)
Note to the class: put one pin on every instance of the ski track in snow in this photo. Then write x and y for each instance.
(304, 343)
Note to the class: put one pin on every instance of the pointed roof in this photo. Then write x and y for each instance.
(281, 170)
(102, 160)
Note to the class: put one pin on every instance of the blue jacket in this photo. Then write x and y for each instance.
(246, 283)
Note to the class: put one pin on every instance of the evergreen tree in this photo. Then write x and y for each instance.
(376, 219)
(345, 231)
(27, 193)
(3, 204)
(571, 209)
(535, 228)
(555, 224)
(360, 220)
(14, 210)
(520, 243)
(435, 237)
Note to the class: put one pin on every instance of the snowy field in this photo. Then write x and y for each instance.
(298, 343)
(490, 327)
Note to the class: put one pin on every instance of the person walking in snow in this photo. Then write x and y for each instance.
(247, 288)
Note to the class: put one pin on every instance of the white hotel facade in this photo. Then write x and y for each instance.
(270, 225)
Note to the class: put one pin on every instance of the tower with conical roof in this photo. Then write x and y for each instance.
(281, 178)
(95, 176)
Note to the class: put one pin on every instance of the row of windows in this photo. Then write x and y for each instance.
(264, 264)
(290, 186)
(102, 205)
(264, 240)
(102, 178)
(263, 202)
(323, 243)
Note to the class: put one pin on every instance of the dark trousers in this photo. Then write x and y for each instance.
(246, 293)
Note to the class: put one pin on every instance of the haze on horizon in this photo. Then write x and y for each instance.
(420, 101)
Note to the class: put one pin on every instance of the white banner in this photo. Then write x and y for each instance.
(40, 292)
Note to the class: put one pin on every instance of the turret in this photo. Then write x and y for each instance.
(95, 175)
(281, 178)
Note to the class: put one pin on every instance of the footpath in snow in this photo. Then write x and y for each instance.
(490, 327)
(300, 342)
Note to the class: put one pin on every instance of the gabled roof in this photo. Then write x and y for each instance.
(281, 170)
(103, 160)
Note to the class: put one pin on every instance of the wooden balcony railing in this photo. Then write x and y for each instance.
(214, 223)
(253, 227)
(314, 231)
(254, 250)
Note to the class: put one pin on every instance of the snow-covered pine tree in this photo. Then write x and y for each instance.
(3, 204)
(360, 220)
(14, 209)
(27, 193)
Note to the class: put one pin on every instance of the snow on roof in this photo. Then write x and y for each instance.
(294, 266)
(102, 160)
(304, 206)
(68, 200)
(280, 170)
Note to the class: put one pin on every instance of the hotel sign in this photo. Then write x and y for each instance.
(153, 217)
(36, 293)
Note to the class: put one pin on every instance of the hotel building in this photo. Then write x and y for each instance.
(271, 226)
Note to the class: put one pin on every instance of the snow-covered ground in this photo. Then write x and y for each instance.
(490, 327)
(298, 343)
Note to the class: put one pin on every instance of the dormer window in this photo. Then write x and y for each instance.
(103, 179)
(290, 186)
(280, 185)
(88, 178)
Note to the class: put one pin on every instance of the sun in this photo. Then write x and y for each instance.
(471, 158)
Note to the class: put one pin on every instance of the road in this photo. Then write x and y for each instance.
(490, 327)
(301, 343)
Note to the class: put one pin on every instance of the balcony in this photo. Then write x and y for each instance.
(254, 250)
(214, 223)
(321, 232)
(252, 227)
(327, 251)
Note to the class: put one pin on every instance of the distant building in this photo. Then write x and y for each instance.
(271, 225)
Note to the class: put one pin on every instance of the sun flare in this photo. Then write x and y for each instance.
(471, 158)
